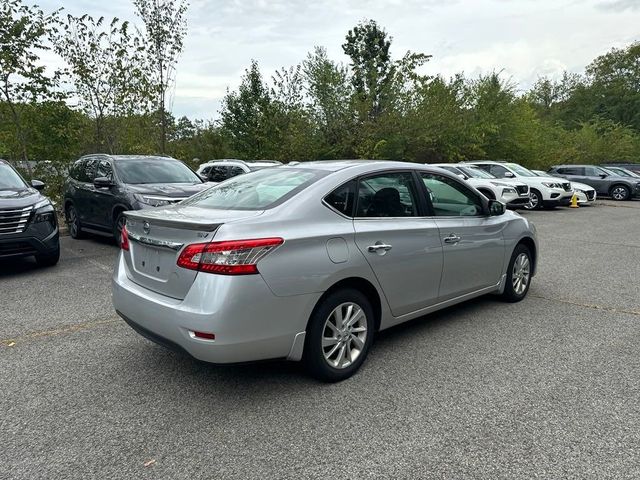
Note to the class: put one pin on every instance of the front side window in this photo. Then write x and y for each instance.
(86, 170)
(450, 198)
(9, 178)
(257, 190)
(155, 170)
(570, 170)
(498, 171)
(219, 173)
(387, 195)
(104, 170)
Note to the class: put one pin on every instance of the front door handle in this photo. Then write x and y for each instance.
(453, 238)
(379, 247)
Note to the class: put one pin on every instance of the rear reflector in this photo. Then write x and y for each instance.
(235, 257)
(124, 239)
(204, 335)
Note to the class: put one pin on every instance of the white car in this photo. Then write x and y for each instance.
(586, 193)
(510, 192)
(220, 170)
(544, 191)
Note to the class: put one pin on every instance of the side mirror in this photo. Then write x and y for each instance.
(496, 208)
(509, 175)
(37, 184)
(102, 182)
(603, 175)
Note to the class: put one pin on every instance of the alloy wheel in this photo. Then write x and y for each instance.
(344, 335)
(521, 273)
(72, 221)
(619, 193)
(534, 201)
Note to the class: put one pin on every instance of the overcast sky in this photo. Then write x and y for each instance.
(523, 38)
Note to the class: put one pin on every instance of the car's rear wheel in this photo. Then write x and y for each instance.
(620, 192)
(535, 200)
(339, 335)
(49, 259)
(73, 223)
(518, 274)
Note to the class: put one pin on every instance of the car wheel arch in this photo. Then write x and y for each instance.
(531, 245)
(356, 283)
(117, 210)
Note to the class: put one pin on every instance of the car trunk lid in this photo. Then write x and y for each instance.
(157, 236)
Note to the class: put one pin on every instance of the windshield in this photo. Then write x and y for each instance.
(475, 172)
(155, 170)
(255, 168)
(521, 170)
(622, 171)
(256, 190)
(9, 178)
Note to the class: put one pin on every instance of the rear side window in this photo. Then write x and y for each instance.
(257, 190)
(343, 198)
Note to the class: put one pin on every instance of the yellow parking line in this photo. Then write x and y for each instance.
(590, 305)
(10, 342)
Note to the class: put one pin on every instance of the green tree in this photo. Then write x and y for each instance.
(24, 32)
(165, 27)
(105, 68)
(368, 46)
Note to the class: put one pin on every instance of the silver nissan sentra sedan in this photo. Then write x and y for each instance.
(308, 262)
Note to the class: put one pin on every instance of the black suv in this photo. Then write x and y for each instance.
(28, 223)
(101, 187)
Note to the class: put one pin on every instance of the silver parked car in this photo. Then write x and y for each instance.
(308, 262)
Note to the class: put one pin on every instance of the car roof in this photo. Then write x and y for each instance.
(127, 157)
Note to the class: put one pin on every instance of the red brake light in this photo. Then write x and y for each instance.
(235, 257)
(124, 239)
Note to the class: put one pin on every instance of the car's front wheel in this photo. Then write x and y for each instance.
(620, 192)
(535, 200)
(518, 274)
(339, 335)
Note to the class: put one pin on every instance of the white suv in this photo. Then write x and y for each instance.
(509, 191)
(221, 170)
(544, 191)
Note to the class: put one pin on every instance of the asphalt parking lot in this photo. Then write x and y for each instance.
(547, 388)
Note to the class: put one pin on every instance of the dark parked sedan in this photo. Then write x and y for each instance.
(28, 224)
(605, 182)
(100, 188)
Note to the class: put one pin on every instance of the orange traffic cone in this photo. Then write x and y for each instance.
(574, 201)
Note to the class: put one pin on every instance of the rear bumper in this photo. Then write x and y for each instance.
(25, 244)
(250, 323)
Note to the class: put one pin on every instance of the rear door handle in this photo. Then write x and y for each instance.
(379, 246)
(453, 238)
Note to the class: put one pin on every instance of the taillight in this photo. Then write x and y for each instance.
(124, 239)
(235, 257)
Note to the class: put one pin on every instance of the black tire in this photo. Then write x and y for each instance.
(511, 292)
(118, 223)
(487, 193)
(73, 222)
(314, 353)
(49, 259)
(620, 193)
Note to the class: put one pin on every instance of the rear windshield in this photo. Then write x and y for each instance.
(9, 179)
(155, 170)
(256, 190)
